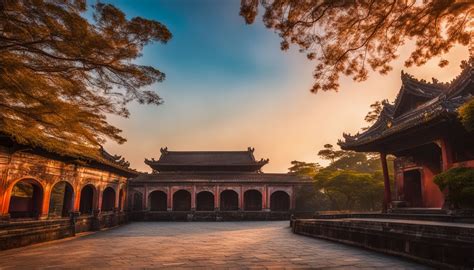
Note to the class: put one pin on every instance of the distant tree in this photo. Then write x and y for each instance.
(374, 113)
(352, 181)
(349, 190)
(350, 37)
(466, 113)
(60, 74)
(329, 153)
(304, 169)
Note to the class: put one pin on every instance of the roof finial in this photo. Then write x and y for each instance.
(164, 151)
(251, 149)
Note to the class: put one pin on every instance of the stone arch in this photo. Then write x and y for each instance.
(137, 201)
(252, 200)
(182, 200)
(88, 199)
(205, 201)
(280, 201)
(158, 201)
(26, 199)
(61, 201)
(229, 200)
(108, 199)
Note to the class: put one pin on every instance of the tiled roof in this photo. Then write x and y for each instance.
(234, 177)
(209, 160)
(441, 101)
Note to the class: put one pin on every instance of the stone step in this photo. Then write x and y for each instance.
(425, 211)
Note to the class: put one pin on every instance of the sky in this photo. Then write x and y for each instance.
(229, 86)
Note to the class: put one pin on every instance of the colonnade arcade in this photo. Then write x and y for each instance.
(212, 198)
(33, 198)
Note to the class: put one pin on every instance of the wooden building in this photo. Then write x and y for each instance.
(212, 185)
(46, 195)
(422, 130)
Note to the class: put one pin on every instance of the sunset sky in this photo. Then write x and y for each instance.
(229, 86)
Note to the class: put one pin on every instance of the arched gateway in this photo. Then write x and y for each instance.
(214, 185)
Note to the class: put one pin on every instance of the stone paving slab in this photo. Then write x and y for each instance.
(199, 245)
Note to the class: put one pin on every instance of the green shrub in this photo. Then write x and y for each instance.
(460, 185)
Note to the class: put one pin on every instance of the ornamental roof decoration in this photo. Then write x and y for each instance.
(419, 102)
(116, 159)
(206, 161)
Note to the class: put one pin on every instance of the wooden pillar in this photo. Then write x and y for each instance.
(217, 198)
(170, 199)
(193, 198)
(386, 181)
(292, 198)
(46, 197)
(145, 198)
(4, 199)
(446, 153)
(264, 197)
(241, 198)
(77, 199)
(100, 193)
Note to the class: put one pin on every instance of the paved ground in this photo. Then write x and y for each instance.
(197, 244)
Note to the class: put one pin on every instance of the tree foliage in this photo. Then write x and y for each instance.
(466, 113)
(460, 183)
(301, 168)
(352, 181)
(374, 113)
(350, 37)
(60, 74)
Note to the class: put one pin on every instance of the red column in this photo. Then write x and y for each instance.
(77, 199)
(241, 198)
(145, 198)
(386, 181)
(193, 198)
(46, 197)
(170, 199)
(446, 153)
(293, 198)
(217, 198)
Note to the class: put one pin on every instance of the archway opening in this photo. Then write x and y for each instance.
(205, 201)
(61, 201)
(86, 205)
(229, 200)
(158, 201)
(26, 199)
(137, 201)
(280, 201)
(108, 200)
(252, 200)
(182, 200)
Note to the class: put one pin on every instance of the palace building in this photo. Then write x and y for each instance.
(422, 130)
(212, 185)
(46, 195)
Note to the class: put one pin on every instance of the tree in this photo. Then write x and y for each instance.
(60, 75)
(466, 113)
(349, 190)
(350, 37)
(374, 113)
(304, 169)
(329, 153)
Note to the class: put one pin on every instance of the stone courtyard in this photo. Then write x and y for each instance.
(233, 245)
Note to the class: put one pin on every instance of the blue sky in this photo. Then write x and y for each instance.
(229, 86)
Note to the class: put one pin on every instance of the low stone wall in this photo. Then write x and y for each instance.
(439, 245)
(207, 216)
(18, 233)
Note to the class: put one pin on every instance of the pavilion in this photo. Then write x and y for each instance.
(422, 130)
